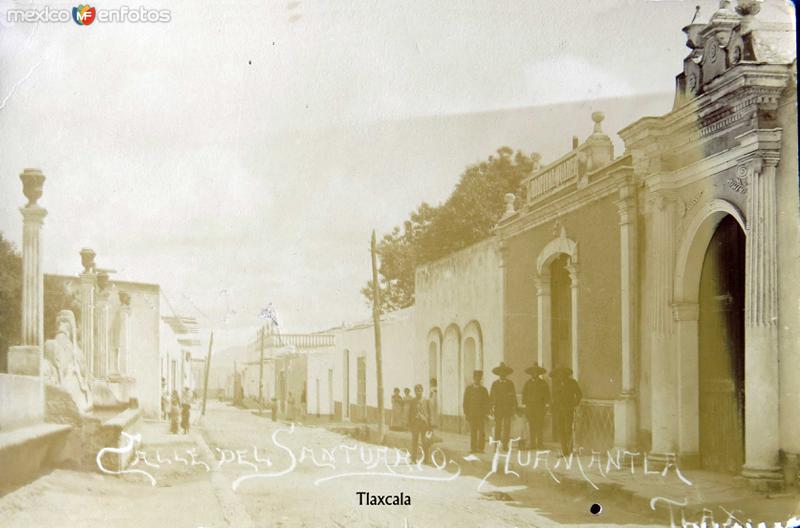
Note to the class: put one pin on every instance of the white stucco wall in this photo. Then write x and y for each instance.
(320, 366)
(460, 298)
(398, 342)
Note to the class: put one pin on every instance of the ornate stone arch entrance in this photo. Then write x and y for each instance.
(556, 248)
(699, 387)
(696, 388)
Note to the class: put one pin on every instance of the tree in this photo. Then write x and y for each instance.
(430, 233)
(10, 298)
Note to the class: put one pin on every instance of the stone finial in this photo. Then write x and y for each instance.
(598, 117)
(748, 7)
(536, 159)
(124, 298)
(509, 199)
(32, 185)
(87, 259)
(694, 38)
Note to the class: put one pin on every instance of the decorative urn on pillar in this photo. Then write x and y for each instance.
(32, 185)
(87, 259)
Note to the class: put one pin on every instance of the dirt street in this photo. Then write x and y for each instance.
(239, 469)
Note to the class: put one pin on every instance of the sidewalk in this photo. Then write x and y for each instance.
(670, 493)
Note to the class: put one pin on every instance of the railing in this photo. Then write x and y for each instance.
(556, 175)
(298, 340)
(594, 424)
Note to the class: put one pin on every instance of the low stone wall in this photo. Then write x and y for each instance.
(110, 435)
(91, 432)
(26, 451)
(21, 401)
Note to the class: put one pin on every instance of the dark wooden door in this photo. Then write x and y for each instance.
(561, 313)
(721, 350)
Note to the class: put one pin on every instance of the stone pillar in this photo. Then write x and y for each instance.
(88, 280)
(124, 342)
(572, 269)
(762, 422)
(543, 317)
(27, 359)
(686, 317)
(662, 364)
(102, 345)
(625, 406)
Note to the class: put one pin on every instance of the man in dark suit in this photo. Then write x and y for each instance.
(476, 408)
(536, 397)
(503, 399)
(567, 396)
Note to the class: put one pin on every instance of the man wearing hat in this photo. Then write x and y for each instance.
(536, 396)
(566, 397)
(503, 398)
(476, 408)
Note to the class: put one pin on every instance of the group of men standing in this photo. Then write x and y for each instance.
(501, 402)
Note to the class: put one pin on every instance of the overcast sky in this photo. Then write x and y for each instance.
(241, 153)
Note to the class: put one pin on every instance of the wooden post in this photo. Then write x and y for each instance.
(208, 367)
(261, 376)
(376, 320)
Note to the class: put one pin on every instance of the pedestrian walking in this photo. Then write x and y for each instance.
(397, 423)
(420, 424)
(566, 397)
(186, 410)
(174, 412)
(164, 399)
(536, 398)
(503, 398)
(476, 408)
(407, 399)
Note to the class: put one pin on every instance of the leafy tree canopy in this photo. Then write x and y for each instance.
(10, 297)
(433, 232)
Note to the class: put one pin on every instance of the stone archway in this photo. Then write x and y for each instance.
(688, 269)
(434, 358)
(472, 352)
(558, 247)
(450, 385)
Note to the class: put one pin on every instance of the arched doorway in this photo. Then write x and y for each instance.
(721, 349)
(472, 353)
(560, 313)
(449, 385)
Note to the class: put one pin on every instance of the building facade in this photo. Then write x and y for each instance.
(665, 277)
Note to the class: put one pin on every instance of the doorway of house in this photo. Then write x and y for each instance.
(721, 350)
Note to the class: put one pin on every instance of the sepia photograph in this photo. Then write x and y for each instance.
(399, 264)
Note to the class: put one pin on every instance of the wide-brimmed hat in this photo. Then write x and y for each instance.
(502, 369)
(535, 370)
(561, 371)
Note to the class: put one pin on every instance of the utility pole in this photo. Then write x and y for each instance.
(208, 367)
(376, 320)
(261, 376)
